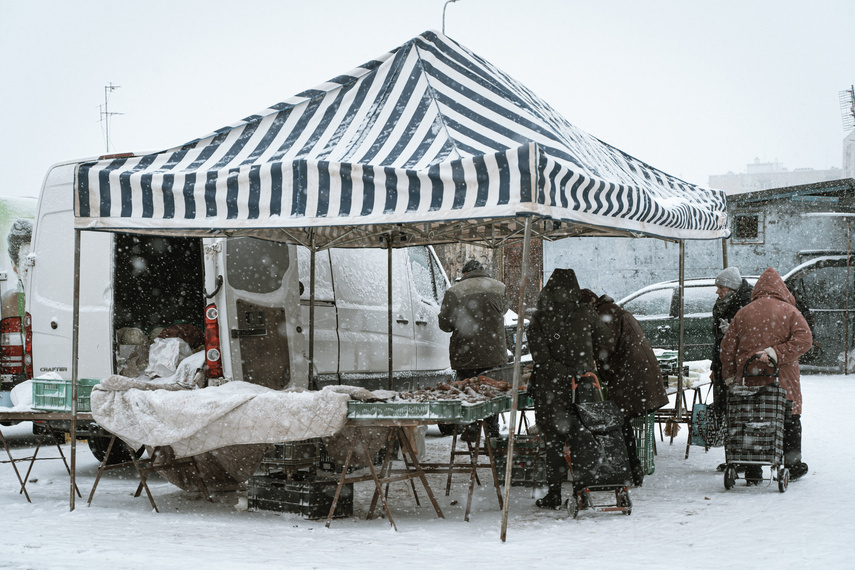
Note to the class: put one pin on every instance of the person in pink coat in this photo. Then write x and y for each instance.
(772, 328)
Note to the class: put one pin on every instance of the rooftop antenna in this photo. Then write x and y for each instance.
(443, 14)
(105, 112)
(847, 108)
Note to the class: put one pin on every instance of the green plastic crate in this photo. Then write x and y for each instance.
(473, 412)
(446, 410)
(645, 441)
(52, 395)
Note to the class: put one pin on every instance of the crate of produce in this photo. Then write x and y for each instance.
(645, 441)
(473, 412)
(525, 401)
(498, 405)
(310, 498)
(444, 410)
(52, 395)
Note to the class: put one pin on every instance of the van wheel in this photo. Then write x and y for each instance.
(119, 454)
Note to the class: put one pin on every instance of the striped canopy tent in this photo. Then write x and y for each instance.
(429, 141)
(427, 144)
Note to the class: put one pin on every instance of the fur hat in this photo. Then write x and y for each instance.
(472, 265)
(729, 278)
(589, 296)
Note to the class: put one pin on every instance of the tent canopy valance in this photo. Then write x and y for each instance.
(429, 142)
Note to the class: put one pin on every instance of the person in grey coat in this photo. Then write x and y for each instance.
(565, 337)
(473, 311)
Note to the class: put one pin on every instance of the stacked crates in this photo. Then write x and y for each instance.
(309, 497)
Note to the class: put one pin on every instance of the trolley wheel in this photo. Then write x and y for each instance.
(573, 505)
(783, 479)
(729, 477)
(625, 502)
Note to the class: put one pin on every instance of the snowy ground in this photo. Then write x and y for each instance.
(681, 517)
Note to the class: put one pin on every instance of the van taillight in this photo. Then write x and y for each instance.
(11, 346)
(213, 362)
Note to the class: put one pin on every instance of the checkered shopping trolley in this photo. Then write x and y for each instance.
(755, 427)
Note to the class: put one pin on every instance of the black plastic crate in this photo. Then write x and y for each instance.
(310, 498)
(522, 471)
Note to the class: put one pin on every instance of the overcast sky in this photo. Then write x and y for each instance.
(693, 88)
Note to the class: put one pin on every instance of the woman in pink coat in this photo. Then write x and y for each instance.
(771, 327)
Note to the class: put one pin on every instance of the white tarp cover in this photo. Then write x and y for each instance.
(429, 140)
(196, 421)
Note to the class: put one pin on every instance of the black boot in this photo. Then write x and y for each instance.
(798, 471)
(552, 500)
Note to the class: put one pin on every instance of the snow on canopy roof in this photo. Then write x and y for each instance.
(429, 141)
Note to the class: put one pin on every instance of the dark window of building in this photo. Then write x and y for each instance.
(747, 228)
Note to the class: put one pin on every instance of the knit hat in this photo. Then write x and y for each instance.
(472, 265)
(729, 278)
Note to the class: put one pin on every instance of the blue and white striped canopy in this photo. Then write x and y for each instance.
(429, 141)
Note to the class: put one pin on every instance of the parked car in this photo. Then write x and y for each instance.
(819, 286)
(656, 307)
(827, 286)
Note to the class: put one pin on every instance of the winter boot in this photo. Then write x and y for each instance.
(798, 471)
(552, 500)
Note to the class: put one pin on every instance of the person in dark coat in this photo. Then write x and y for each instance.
(772, 328)
(733, 292)
(473, 311)
(565, 336)
(630, 370)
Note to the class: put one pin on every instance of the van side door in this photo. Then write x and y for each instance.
(429, 284)
(360, 281)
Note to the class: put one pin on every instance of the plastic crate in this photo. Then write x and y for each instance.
(310, 498)
(524, 401)
(522, 471)
(498, 405)
(447, 410)
(53, 395)
(645, 441)
(294, 453)
(473, 412)
(523, 444)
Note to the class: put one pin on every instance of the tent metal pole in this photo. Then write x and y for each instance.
(389, 304)
(312, 313)
(75, 335)
(724, 253)
(516, 386)
(682, 291)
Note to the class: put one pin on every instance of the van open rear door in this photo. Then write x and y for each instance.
(262, 317)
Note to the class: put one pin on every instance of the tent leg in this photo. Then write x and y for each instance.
(682, 292)
(75, 336)
(516, 385)
(389, 305)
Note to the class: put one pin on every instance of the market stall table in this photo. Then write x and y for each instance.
(670, 415)
(412, 467)
(47, 417)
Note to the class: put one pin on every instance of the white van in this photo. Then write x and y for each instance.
(248, 296)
